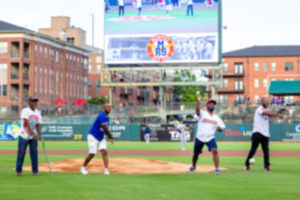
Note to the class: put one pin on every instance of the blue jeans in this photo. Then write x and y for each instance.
(22, 146)
(190, 7)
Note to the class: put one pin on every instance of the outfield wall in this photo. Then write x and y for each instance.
(135, 132)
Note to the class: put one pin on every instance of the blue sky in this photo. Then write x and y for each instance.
(249, 22)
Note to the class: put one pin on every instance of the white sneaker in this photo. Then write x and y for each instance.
(83, 170)
(106, 172)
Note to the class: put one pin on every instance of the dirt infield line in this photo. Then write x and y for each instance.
(161, 153)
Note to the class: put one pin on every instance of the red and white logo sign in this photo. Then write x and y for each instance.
(160, 48)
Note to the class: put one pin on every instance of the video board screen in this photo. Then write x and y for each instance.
(162, 31)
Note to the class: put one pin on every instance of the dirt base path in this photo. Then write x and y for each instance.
(122, 166)
(161, 153)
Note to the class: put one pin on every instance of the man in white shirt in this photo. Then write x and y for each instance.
(139, 6)
(30, 124)
(121, 7)
(208, 124)
(260, 133)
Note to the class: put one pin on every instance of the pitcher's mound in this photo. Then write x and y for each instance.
(122, 166)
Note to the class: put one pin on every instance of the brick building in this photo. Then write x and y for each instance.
(248, 72)
(36, 64)
(62, 29)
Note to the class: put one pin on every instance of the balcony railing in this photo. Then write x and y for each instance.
(26, 76)
(14, 76)
(231, 72)
(14, 97)
(15, 54)
(26, 55)
(231, 88)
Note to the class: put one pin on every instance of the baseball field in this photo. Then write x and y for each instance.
(155, 20)
(234, 183)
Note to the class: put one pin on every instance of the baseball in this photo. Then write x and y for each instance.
(252, 161)
(197, 92)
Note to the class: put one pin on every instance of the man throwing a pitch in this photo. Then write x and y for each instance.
(260, 133)
(208, 123)
(96, 139)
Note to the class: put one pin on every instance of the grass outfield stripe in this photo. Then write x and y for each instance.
(162, 153)
(121, 145)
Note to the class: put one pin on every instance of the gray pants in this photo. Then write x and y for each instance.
(182, 140)
(147, 138)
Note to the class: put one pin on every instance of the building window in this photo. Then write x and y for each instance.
(90, 84)
(3, 47)
(238, 68)
(98, 59)
(3, 112)
(3, 79)
(41, 51)
(256, 83)
(85, 63)
(289, 79)
(90, 69)
(265, 82)
(35, 49)
(225, 67)
(225, 83)
(71, 40)
(256, 67)
(98, 84)
(56, 56)
(265, 66)
(289, 66)
(288, 99)
(273, 66)
(256, 99)
(45, 53)
(98, 68)
(238, 85)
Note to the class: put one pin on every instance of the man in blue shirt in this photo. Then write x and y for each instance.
(147, 134)
(97, 140)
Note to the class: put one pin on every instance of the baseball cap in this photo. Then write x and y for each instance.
(211, 100)
(32, 98)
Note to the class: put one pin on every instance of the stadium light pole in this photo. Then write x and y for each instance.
(93, 24)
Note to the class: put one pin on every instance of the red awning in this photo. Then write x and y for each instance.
(80, 102)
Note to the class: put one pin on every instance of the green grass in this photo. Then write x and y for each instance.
(201, 18)
(118, 145)
(234, 183)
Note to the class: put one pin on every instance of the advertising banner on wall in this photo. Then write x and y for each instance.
(9, 131)
(165, 132)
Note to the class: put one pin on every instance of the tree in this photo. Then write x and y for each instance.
(98, 100)
(187, 93)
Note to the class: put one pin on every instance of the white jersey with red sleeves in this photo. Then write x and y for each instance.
(34, 117)
(261, 122)
(207, 126)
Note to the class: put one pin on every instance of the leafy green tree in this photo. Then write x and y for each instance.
(98, 100)
(187, 93)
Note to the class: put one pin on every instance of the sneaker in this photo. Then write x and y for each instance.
(267, 169)
(106, 172)
(83, 170)
(217, 172)
(35, 174)
(247, 168)
(19, 174)
(190, 170)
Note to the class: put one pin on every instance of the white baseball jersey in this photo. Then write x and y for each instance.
(181, 128)
(121, 2)
(34, 117)
(139, 3)
(207, 126)
(261, 122)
